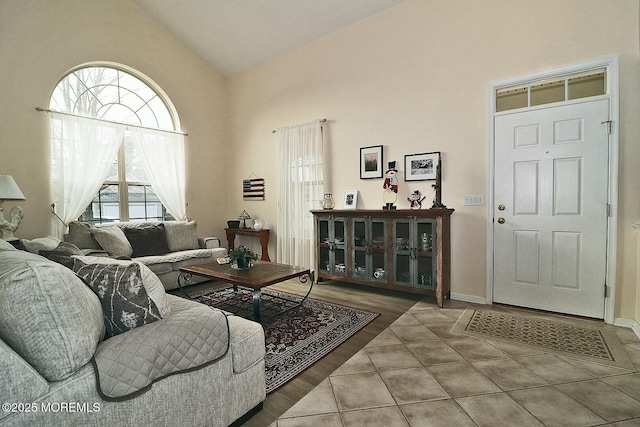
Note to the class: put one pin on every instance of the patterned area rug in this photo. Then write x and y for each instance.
(298, 338)
(562, 338)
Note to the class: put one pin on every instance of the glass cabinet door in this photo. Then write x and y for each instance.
(402, 252)
(425, 254)
(360, 258)
(413, 252)
(339, 247)
(377, 246)
(324, 261)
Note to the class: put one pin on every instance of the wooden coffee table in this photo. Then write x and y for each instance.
(261, 275)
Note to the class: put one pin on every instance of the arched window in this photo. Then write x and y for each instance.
(126, 111)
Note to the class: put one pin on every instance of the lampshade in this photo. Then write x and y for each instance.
(9, 189)
(244, 215)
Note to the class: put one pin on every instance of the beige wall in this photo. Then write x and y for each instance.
(41, 40)
(415, 78)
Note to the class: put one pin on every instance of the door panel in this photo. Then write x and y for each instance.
(551, 176)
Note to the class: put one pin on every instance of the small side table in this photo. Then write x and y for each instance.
(262, 234)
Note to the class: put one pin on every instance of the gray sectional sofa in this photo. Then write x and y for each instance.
(194, 366)
(164, 247)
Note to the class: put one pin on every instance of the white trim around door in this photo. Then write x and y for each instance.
(611, 64)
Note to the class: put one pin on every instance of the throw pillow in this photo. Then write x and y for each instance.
(181, 235)
(125, 302)
(80, 236)
(151, 282)
(40, 244)
(62, 254)
(147, 239)
(112, 240)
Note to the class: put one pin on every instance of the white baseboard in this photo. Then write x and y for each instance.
(468, 298)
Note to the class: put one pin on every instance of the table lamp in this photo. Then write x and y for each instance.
(244, 216)
(9, 191)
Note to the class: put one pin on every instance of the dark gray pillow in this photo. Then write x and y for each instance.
(62, 254)
(147, 239)
(125, 302)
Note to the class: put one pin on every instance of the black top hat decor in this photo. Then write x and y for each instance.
(392, 166)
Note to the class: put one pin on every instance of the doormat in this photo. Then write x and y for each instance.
(298, 338)
(557, 337)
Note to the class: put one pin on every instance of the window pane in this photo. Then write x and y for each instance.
(105, 207)
(588, 84)
(134, 171)
(144, 204)
(548, 91)
(512, 98)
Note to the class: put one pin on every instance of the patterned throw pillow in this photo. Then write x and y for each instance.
(125, 302)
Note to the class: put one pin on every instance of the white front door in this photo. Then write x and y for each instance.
(550, 214)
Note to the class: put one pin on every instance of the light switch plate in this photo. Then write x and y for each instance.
(474, 200)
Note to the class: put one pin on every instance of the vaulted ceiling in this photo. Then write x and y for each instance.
(235, 35)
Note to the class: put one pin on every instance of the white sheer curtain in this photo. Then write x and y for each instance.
(163, 160)
(82, 150)
(300, 189)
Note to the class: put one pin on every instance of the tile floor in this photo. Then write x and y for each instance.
(417, 373)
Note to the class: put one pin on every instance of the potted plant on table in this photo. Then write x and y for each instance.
(242, 257)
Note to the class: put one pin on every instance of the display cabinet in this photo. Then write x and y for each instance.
(407, 250)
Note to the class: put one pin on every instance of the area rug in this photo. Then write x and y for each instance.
(557, 337)
(298, 338)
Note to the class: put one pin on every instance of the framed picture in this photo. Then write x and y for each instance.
(421, 167)
(371, 162)
(350, 199)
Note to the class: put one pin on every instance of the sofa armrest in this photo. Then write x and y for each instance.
(208, 242)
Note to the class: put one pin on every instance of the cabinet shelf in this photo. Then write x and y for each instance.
(395, 249)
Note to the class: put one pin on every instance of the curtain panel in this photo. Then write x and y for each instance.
(300, 189)
(163, 160)
(82, 151)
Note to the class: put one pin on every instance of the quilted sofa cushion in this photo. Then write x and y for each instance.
(47, 315)
(130, 363)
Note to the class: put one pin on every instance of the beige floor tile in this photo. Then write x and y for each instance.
(628, 423)
(413, 333)
(430, 317)
(386, 337)
(390, 416)
(509, 374)
(462, 379)
(475, 349)
(634, 356)
(496, 410)
(406, 319)
(554, 408)
(425, 305)
(553, 369)
(320, 400)
(598, 370)
(627, 335)
(413, 385)
(358, 363)
(439, 413)
(514, 350)
(360, 391)
(392, 357)
(604, 400)
(443, 330)
(434, 352)
(629, 384)
(328, 420)
(454, 313)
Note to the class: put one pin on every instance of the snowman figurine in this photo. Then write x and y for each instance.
(390, 186)
(415, 200)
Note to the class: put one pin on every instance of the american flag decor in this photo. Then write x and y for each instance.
(253, 189)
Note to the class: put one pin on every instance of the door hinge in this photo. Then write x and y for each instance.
(606, 291)
(608, 209)
(608, 123)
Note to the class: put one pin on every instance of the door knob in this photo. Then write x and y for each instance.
(500, 220)
(501, 207)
